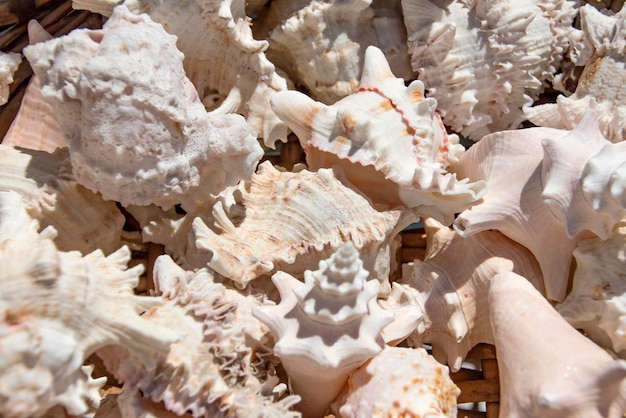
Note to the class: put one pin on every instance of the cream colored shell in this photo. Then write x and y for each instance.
(9, 62)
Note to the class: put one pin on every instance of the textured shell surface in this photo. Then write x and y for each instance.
(9, 62)
(597, 302)
(388, 140)
(547, 368)
(601, 85)
(325, 327)
(399, 382)
(225, 63)
(584, 179)
(35, 125)
(510, 162)
(217, 368)
(51, 195)
(46, 334)
(115, 94)
(485, 61)
(450, 288)
(289, 221)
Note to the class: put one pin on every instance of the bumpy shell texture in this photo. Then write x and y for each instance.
(9, 61)
(177, 153)
(388, 140)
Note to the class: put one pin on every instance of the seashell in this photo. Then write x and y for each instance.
(510, 163)
(9, 62)
(35, 125)
(485, 61)
(46, 333)
(354, 134)
(399, 382)
(449, 288)
(289, 221)
(602, 83)
(584, 179)
(322, 45)
(103, 7)
(51, 195)
(220, 365)
(224, 62)
(325, 327)
(546, 367)
(167, 149)
(597, 301)
(130, 405)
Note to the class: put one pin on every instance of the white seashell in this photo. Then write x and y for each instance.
(602, 83)
(46, 332)
(9, 61)
(449, 288)
(117, 94)
(399, 382)
(547, 368)
(510, 163)
(222, 59)
(218, 367)
(388, 140)
(51, 195)
(597, 302)
(485, 61)
(35, 125)
(584, 179)
(325, 327)
(289, 221)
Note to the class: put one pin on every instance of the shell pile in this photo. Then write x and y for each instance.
(496, 126)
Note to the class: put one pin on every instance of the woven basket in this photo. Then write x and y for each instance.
(479, 385)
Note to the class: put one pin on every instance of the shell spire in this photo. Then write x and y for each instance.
(326, 327)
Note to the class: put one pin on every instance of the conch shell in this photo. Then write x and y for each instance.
(325, 327)
(9, 62)
(139, 107)
(387, 139)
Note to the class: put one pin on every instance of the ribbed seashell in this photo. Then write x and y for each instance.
(602, 83)
(325, 327)
(9, 61)
(220, 366)
(483, 60)
(399, 382)
(323, 44)
(584, 179)
(289, 221)
(597, 301)
(510, 162)
(387, 139)
(450, 287)
(547, 368)
(136, 129)
(56, 311)
(225, 63)
(51, 195)
(35, 125)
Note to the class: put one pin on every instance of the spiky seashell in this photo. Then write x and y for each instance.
(602, 84)
(51, 195)
(547, 368)
(217, 368)
(225, 63)
(9, 61)
(325, 327)
(137, 132)
(35, 125)
(450, 288)
(399, 382)
(510, 162)
(584, 179)
(484, 61)
(289, 221)
(597, 302)
(388, 140)
(55, 309)
(321, 45)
